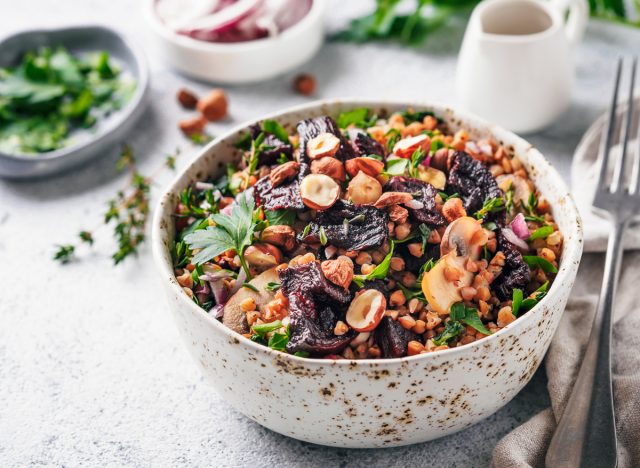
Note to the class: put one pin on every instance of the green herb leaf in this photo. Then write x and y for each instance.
(451, 329)
(379, 272)
(492, 205)
(277, 130)
(64, 254)
(516, 301)
(272, 286)
(262, 329)
(536, 297)
(358, 117)
(445, 197)
(280, 217)
(468, 316)
(323, 236)
(396, 167)
(541, 233)
(539, 262)
(234, 231)
(250, 287)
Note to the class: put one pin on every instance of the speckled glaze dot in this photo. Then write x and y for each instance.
(372, 403)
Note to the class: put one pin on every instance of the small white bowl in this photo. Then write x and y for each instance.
(371, 403)
(241, 62)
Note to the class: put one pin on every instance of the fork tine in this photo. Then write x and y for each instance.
(607, 141)
(618, 174)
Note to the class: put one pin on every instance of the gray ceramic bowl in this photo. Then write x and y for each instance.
(108, 131)
(371, 403)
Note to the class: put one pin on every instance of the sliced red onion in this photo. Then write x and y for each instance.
(514, 239)
(330, 251)
(519, 227)
(240, 280)
(216, 275)
(225, 18)
(414, 204)
(175, 14)
(426, 162)
(485, 147)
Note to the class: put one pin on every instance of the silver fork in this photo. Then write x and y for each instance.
(586, 433)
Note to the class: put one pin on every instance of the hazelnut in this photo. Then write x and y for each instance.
(329, 166)
(399, 215)
(304, 84)
(187, 99)
(283, 172)
(319, 191)
(193, 126)
(364, 189)
(406, 147)
(338, 271)
(393, 198)
(262, 256)
(325, 144)
(369, 166)
(281, 235)
(453, 209)
(366, 310)
(214, 105)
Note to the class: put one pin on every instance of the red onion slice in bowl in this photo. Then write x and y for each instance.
(514, 239)
(519, 227)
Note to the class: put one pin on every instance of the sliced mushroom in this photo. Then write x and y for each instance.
(462, 241)
(464, 237)
(439, 290)
(236, 318)
(521, 189)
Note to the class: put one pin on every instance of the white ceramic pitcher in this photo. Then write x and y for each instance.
(515, 66)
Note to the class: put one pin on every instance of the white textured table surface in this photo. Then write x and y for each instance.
(92, 371)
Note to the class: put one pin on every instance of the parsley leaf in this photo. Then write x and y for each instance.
(279, 217)
(277, 130)
(451, 329)
(516, 301)
(396, 167)
(358, 117)
(468, 316)
(231, 232)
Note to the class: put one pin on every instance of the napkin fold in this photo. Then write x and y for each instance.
(526, 446)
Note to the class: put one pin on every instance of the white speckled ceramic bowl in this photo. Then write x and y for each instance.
(371, 403)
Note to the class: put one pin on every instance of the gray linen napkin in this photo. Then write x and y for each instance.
(527, 444)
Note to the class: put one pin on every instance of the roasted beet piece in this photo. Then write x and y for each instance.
(273, 147)
(515, 273)
(311, 128)
(285, 196)
(314, 308)
(424, 193)
(367, 229)
(472, 181)
(378, 285)
(366, 146)
(393, 338)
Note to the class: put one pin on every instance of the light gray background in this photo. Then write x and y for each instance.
(92, 371)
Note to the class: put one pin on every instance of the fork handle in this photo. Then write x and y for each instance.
(586, 433)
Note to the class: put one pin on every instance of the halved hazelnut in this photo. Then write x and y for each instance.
(262, 256)
(462, 238)
(366, 310)
(406, 147)
(364, 189)
(432, 176)
(319, 191)
(521, 189)
(325, 144)
(369, 166)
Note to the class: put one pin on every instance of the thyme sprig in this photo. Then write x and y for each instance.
(127, 212)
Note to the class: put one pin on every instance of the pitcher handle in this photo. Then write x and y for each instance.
(576, 20)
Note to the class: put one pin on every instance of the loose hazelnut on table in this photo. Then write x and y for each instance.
(187, 99)
(304, 84)
(319, 191)
(214, 105)
(193, 125)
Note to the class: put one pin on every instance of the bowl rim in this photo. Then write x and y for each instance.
(124, 114)
(571, 254)
(315, 12)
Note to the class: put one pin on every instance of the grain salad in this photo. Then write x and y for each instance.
(362, 236)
